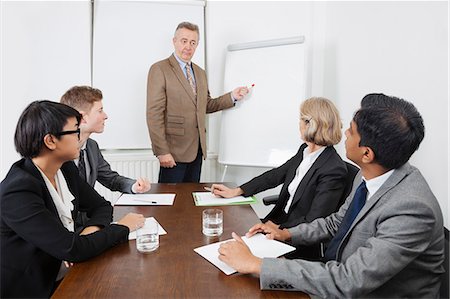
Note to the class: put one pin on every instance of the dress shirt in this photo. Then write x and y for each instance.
(183, 68)
(302, 169)
(62, 198)
(374, 184)
(86, 162)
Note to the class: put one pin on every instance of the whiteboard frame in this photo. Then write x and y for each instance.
(254, 45)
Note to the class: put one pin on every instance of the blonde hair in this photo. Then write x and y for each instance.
(323, 123)
(82, 97)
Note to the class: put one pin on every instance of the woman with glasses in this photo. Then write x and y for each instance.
(313, 180)
(40, 198)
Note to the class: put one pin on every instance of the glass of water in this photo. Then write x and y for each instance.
(212, 221)
(147, 238)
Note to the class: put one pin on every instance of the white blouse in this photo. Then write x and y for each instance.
(302, 169)
(62, 198)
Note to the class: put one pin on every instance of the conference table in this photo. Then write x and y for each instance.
(174, 270)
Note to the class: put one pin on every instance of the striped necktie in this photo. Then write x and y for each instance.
(355, 207)
(190, 79)
(82, 165)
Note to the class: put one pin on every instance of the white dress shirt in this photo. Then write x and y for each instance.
(62, 198)
(302, 169)
(374, 184)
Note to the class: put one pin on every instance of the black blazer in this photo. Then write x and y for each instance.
(317, 195)
(33, 239)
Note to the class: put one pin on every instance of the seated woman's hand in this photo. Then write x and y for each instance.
(224, 191)
(133, 221)
(271, 230)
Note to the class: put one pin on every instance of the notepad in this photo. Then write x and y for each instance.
(209, 199)
(161, 230)
(259, 245)
(163, 199)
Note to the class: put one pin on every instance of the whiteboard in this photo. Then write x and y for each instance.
(263, 129)
(129, 36)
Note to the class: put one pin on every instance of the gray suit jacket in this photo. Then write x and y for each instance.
(101, 171)
(175, 116)
(394, 248)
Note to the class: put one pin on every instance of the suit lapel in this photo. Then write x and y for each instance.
(180, 76)
(291, 174)
(32, 169)
(202, 85)
(397, 176)
(92, 161)
(309, 174)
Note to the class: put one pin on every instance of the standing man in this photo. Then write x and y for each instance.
(387, 239)
(177, 102)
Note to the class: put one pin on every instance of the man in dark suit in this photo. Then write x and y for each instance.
(93, 167)
(387, 239)
(177, 102)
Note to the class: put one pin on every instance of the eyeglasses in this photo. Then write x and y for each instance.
(77, 131)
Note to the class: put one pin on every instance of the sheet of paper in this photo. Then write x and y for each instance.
(209, 199)
(161, 230)
(259, 245)
(162, 199)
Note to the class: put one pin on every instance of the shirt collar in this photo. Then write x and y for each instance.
(374, 184)
(312, 156)
(180, 62)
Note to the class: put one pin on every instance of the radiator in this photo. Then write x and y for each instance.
(142, 163)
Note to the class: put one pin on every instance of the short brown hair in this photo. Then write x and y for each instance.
(189, 26)
(82, 97)
(323, 123)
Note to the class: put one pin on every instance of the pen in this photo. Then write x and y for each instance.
(143, 200)
(208, 189)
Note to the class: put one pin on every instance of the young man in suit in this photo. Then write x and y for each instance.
(93, 167)
(177, 102)
(387, 239)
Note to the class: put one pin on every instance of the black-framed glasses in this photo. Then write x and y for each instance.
(77, 131)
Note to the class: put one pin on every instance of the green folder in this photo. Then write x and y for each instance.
(221, 201)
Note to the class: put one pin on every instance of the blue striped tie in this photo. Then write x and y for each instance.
(355, 207)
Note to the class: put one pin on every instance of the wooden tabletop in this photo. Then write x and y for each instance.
(174, 270)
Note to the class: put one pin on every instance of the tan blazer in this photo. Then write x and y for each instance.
(175, 117)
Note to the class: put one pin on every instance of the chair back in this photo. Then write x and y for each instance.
(352, 170)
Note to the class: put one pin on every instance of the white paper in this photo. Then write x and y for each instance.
(259, 245)
(145, 200)
(209, 199)
(161, 230)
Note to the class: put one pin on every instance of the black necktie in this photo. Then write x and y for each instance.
(82, 165)
(355, 207)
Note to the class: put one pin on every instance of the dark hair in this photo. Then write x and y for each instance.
(391, 127)
(37, 120)
(376, 100)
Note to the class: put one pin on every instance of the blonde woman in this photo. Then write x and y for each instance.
(313, 180)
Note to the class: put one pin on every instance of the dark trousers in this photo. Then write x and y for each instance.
(183, 172)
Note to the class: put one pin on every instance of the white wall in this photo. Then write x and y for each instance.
(42, 54)
(398, 48)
